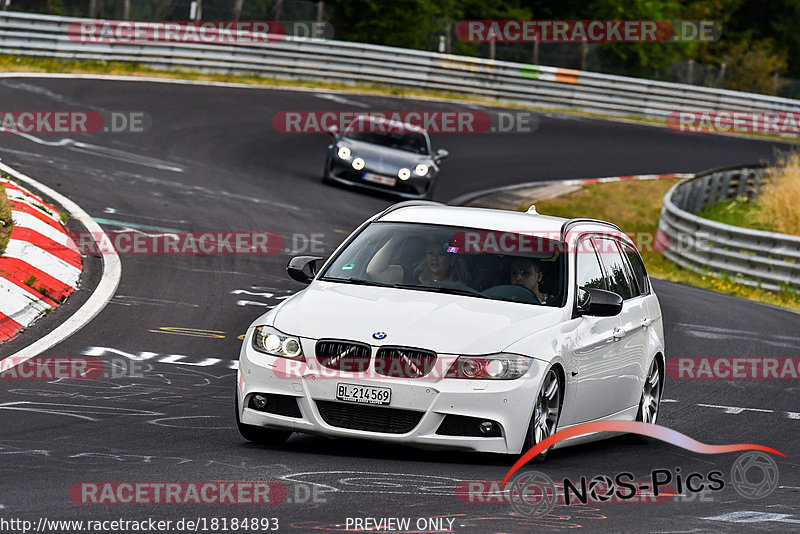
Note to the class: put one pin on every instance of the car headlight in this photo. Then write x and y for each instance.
(271, 341)
(491, 367)
(343, 152)
(404, 174)
(421, 169)
(358, 164)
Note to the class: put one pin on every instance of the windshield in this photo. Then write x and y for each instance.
(510, 266)
(410, 142)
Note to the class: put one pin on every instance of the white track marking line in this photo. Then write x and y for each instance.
(341, 100)
(112, 272)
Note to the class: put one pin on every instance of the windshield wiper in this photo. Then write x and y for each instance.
(356, 281)
(449, 290)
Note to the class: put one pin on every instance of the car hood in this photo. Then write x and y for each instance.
(448, 324)
(384, 159)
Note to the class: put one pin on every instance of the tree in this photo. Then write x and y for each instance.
(751, 66)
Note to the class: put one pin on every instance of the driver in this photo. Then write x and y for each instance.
(527, 273)
(409, 142)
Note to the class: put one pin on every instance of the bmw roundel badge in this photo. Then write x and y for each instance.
(379, 335)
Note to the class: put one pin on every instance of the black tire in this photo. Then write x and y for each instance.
(259, 434)
(659, 388)
(431, 189)
(530, 437)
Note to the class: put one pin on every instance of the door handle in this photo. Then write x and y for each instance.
(618, 334)
(646, 322)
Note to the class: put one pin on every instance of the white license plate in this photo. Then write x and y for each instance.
(363, 394)
(378, 179)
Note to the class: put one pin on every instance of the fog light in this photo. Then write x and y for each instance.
(486, 427)
(259, 401)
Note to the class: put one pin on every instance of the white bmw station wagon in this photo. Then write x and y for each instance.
(452, 327)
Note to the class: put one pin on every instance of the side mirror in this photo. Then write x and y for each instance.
(303, 268)
(441, 154)
(333, 130)
(598, 302)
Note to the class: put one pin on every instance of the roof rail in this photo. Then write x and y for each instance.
(573, 222)
(407, 204)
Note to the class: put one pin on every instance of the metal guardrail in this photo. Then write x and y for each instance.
(752, 257)
(345, 62)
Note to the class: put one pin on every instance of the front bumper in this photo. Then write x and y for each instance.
(420, 405)
(415, 187)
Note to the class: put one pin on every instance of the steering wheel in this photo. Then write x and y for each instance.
(513, 292)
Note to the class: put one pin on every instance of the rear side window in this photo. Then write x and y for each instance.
(618, 277)
(639, 272)
(589, 273)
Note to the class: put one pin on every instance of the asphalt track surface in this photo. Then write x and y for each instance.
(213, 162)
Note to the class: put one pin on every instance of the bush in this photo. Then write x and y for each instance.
(5, 220)
(778, 200)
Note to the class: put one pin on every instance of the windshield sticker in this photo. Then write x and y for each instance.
(348, 266)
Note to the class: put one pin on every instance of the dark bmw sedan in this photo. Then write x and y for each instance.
(386, 156)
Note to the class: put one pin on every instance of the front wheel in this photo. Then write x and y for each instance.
(258, 434)
(326, 173)
(545, 415)
(431, 189)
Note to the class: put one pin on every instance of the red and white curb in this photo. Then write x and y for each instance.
(99, 297)
(631, 178)
(41, 265)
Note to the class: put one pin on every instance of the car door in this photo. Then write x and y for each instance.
(595, 353)
(632, 336)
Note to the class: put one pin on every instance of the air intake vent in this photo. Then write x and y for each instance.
(368, 418)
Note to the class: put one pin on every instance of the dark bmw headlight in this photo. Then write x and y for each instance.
(271, 341)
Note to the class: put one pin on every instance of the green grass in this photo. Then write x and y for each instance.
(739, 212)
(6, 223)
(635, 207)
